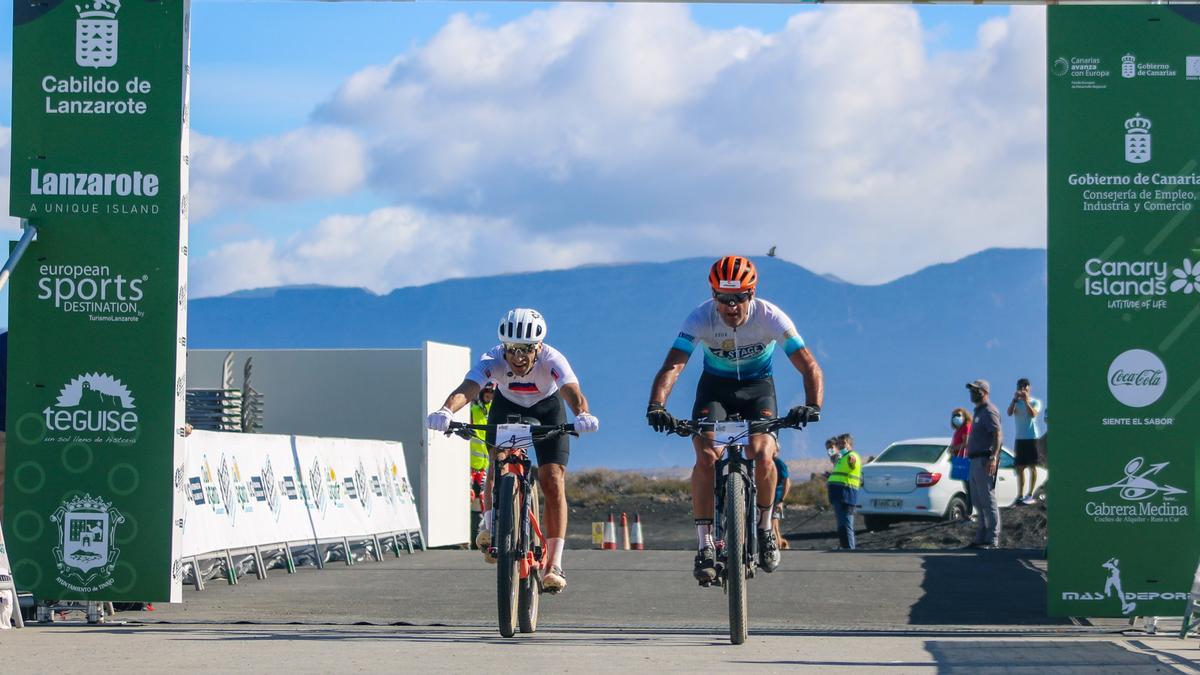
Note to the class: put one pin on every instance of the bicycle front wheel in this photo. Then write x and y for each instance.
(506, 540)
(735, 555)
(527, 604)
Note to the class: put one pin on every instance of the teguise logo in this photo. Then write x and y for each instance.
(96, 33)
(94, 403)
(1137, 378)
(86, 556)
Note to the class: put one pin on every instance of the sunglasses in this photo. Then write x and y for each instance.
(731, 298)
(520, 349)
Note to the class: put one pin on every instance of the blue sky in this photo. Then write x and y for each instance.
(387, 144)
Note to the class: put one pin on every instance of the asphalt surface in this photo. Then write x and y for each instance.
(850, 612)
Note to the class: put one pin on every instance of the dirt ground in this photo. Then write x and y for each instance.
(667, 524)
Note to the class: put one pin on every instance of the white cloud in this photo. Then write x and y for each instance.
(629, 132)
(315, 161)
(390, 247)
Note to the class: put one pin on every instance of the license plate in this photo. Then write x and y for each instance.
(886, 503)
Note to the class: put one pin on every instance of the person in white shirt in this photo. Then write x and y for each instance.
(532, 380)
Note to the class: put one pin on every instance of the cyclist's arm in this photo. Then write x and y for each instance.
(573, 395)
(464, 394)
(665, 380)
(814, 380)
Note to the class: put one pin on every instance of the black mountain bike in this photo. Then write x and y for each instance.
(517, 541)
(736, 514)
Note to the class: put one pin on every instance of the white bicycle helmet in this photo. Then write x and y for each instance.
(522, 326)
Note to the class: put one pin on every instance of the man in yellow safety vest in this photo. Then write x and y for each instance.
(479, 453)
(844, 482)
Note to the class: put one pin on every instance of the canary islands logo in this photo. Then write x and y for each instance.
(86, 555)
(1137, 139)
(97, 404)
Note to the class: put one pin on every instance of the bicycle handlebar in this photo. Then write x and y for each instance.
(537, 432)
(697, 427)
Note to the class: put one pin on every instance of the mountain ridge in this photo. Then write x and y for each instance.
(896, 356)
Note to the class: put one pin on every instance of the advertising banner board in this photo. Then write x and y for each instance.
(1124, 277)
(98, 304)
(245, 490)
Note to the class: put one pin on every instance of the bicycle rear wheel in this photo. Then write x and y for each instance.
(531, 588)
(508, 571)
(735, 555)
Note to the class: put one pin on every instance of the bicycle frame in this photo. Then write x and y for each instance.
(734, 459)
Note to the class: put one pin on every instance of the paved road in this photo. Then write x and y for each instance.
(906, 612)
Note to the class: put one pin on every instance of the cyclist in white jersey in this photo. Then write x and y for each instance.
(532, 380)
(738, 334)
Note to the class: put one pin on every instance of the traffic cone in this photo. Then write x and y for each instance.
(636, 542)
(610, 534)
(624, 531)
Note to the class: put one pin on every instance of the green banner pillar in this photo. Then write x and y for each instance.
(98, 303)
(1124, 263)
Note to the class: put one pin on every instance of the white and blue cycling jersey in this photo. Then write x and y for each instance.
(742, 353)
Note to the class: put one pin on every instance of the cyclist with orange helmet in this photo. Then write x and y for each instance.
(738, 333)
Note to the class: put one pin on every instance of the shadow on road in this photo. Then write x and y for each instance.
(1039, 657)
(995, 588)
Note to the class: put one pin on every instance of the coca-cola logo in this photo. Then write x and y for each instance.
(1145, 378)
(1137, 378)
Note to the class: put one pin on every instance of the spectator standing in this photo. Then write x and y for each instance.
(844, 482)
(480, 460)
(960, 421)
(783, 484)
(983, 449)
(1026, 411)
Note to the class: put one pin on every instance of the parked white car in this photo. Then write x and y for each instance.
(911, 480)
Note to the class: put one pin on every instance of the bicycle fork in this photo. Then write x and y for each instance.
(735, 460)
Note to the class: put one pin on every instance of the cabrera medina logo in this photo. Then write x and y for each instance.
(96, 33)
(1143, 498)
(94, 408)
(86, 556)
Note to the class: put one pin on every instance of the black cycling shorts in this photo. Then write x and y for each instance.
(548, 411)
(717, 398)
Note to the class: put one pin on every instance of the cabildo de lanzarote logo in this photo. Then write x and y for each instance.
(96, 33)
(1142, 496)
(86, 554)
(1137, 378)
(93, 291)
(93, 408)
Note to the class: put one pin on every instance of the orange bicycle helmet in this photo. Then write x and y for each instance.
(733, 274)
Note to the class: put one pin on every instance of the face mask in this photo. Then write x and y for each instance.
(957, 421)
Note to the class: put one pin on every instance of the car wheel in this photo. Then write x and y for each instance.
(876, 523)
(956, 510)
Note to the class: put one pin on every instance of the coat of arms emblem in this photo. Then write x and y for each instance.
(96, 33)
(1137, 139)
(87, 526)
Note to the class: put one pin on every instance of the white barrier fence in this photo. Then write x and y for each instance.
(245, 493)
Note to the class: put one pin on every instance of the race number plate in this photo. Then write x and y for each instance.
(728, 433)
(513, 436)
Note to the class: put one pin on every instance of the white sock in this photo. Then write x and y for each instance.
(764, 518)
(554, 545)
(485, 523)
(704, 534)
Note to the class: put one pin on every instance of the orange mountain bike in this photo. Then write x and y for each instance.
(517, 541)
